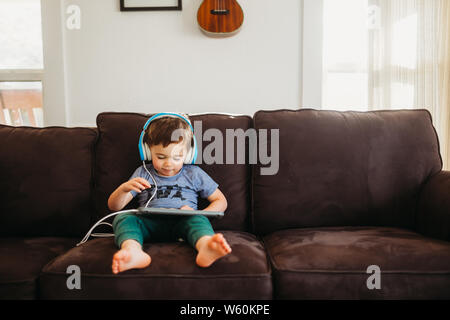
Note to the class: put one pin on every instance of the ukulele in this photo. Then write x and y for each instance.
(220, 17)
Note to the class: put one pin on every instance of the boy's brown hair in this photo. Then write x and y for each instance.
(167, 130)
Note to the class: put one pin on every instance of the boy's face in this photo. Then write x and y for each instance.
(169, 160)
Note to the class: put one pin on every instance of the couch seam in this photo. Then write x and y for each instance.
(404, 272)
(160, 276)
(93, 207)
(49, 127)
(270, 260)
(18, 281)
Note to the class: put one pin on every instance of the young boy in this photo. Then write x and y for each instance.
(178, 186)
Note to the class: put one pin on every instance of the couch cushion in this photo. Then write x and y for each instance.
(344, 168)
(332, 263)
(172, 274)
(46, 180)
(22, 260)
(118, 156)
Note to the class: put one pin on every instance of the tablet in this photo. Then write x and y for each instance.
(178, 212)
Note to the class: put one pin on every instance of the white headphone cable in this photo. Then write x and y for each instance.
(100, 222)
(156, 185)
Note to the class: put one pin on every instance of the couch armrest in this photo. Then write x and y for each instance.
(433, 213)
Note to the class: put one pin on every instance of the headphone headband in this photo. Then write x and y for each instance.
(144, 150)
(168, 115)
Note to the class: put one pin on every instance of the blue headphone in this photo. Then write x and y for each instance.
(144, 150)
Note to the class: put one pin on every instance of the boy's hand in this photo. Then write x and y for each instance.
(186, 207)
(136, 184)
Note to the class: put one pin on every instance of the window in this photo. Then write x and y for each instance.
(21, 63)
(381, 54)
(389, 54)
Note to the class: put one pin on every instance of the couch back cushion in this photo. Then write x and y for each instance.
(344, 168)
(46, 180)
(118, 156)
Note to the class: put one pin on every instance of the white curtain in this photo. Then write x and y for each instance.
(409, 60)
(444, 80)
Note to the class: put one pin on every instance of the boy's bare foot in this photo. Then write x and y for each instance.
(130, 256)
(211, 248)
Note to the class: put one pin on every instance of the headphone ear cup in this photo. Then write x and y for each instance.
(191, 156)
(147, 153)
(188, 159)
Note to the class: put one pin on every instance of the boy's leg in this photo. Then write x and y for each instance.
(193, 228)
(198, 232)
(142, 229)
(129, 234)
(128, 226)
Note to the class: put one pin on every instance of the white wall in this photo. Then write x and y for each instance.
(312, 53)
(54, 84)
(156, 61)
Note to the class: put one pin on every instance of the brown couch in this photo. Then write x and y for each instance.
(353, 190)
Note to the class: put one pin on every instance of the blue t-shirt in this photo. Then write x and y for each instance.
(184, 188)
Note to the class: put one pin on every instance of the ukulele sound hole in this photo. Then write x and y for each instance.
(220, 12)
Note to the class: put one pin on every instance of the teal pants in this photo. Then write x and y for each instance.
(160, 229)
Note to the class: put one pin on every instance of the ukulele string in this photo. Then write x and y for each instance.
(220, 6)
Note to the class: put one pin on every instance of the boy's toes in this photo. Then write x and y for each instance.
(227, 248)
(115, 267)
(119, 259)
(215, 248)
(220, 240)
(126, 259)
